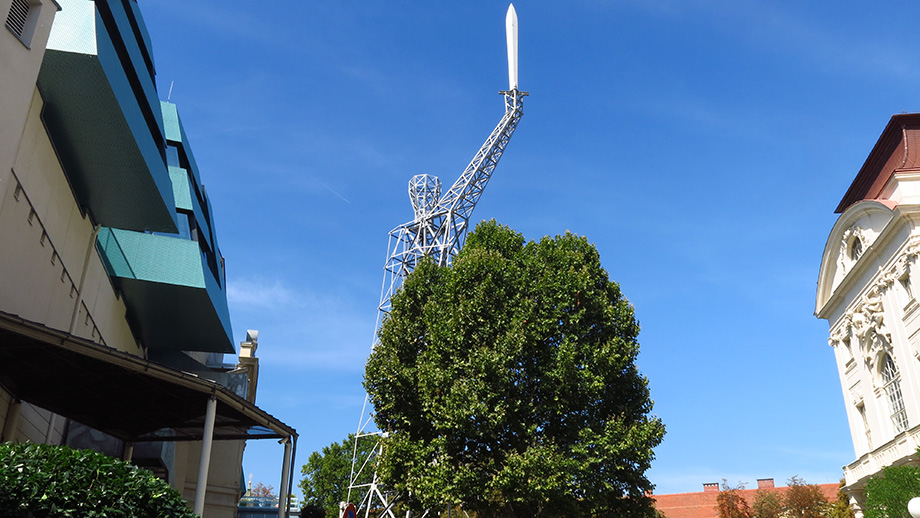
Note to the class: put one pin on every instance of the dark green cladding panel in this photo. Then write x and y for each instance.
(110, 151)
(172, 297)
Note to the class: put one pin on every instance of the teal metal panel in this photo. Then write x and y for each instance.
(113, 161)
(139, 53)
(154, 258)
(175, 132)
(191, 157)
(182, 190)
(145, 36)
(204, 226)
(171, 126)
(210, 210)
(212, 227)
(171, 295)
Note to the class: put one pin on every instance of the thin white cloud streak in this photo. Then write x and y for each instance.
(330, 189)
(260, 294)
(304, 329)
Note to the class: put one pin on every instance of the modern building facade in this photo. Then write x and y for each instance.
(113, 309)
(867, 291)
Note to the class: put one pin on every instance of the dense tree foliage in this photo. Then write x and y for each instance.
(261, 489)
(840, 508)
(42, 480)
(798, 500)
(509, 385)
(768, 504)
(804, 500)
(888, 492)
(326, 473)
(730, 502)
(314, 511)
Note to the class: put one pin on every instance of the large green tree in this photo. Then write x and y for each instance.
(888, 492)
(508, 383)
(326, 473)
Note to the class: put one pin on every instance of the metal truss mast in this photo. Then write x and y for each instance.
(438, 231)
(439, 228)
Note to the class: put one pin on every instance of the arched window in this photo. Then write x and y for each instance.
(892, 380)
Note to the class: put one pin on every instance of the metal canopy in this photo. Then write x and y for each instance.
(120, 394)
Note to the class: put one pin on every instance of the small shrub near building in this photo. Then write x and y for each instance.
(38, 480)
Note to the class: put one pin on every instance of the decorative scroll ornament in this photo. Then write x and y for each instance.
(869, 327)
(885, 279)
(864, 325)
(911, 253)
(842, 331)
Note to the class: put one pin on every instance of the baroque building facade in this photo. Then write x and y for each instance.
(868, 289)
(114, 322)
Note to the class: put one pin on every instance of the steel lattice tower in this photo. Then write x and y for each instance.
(437, 230)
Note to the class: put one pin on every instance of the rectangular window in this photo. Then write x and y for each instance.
(892, 379)
(898, 412)
(186, 221)
(172, 155)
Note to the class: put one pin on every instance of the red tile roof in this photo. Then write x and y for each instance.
(703, 504)
(897, 149)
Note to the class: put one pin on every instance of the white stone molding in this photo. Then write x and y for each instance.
(868, 326)
(841, 331)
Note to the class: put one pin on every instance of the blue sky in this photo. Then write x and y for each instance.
(702, 145)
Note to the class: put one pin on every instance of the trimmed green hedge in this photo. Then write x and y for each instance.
(42, 481)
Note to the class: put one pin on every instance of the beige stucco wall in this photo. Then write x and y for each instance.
(17, 87)
(48, 239)
(224, 475)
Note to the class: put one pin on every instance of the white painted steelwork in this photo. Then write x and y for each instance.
(437, 230)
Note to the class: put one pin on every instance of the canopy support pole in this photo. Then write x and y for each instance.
(285, 476)
(209, 419)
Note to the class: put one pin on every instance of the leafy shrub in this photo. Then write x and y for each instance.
(888, 492)
(44, 481)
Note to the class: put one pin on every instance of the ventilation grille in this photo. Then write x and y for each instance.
(19, 13)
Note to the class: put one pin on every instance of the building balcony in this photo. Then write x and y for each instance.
(103, 116)
(893, 453)
(174, 300)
